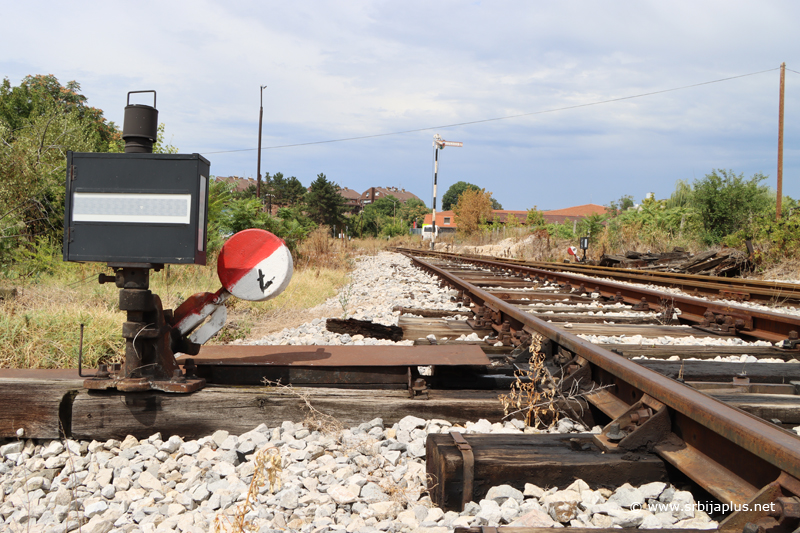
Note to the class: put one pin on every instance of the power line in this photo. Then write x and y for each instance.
(577, 106)
(790, 70)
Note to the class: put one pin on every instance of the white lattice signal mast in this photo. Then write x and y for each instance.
(438, 143)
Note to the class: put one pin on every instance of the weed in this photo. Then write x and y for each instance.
(532, 392)
(315, 420)
(267, 463)
(344, 297)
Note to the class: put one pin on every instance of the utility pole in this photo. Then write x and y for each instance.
(260, 120)
(780, 144)
(438, 142)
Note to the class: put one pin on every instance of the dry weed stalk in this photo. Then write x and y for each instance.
(536, 393)
(532, 392)
(315, 420)
(267, 463)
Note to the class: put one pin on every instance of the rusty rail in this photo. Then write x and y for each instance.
(728, 452)
(767, 292)
(748, 322)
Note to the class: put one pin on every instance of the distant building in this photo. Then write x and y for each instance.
(237, 184)
(375, 193)
(578, 212)
(446, 220)
(352, 200)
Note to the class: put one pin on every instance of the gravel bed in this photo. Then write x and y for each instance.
(378, 284)
(364, 479)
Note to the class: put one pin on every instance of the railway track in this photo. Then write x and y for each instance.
(771, 293)
(734, 456)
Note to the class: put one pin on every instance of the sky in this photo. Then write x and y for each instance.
(337, 70)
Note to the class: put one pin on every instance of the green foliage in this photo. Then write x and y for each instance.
(41, 257)
(287, 192)
(38, 95)
(776, 239)
(413, 210)
(384, 217)
(620, 206)
(535, 217)
(160, 146)
(682, 196)
(726, 202)
(324, 204)
(450, 198)
(561, 231)
(219, 195)
(39, 122)
(591, 226)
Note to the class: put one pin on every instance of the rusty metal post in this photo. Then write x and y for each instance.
(780, 143)
(260, 120)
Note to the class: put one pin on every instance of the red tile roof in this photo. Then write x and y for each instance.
(581, 211)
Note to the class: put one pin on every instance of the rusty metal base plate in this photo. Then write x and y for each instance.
(352, 366)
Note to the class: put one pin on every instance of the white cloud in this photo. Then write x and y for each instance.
(341, 69)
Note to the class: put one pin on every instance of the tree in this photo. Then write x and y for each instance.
(413, 210)
(620, 206)
(293, 192)
(726, 202)
(535, 217)
(450, 198)
(33, 166)
(35, 95)
(160, 146)
(452, 195)
(592, 226)
(473, 209)
(380, 214)
(40, 120)
(324, 204)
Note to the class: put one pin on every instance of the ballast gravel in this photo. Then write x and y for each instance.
(378, 284)
(364, 479)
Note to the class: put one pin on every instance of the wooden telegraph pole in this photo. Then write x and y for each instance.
(260, 119)
(780, 144)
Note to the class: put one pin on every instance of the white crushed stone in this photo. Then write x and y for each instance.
(364, 479)
(378, 284)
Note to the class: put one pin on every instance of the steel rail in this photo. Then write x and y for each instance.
(727, 288)
(757, 324)
(765, 441)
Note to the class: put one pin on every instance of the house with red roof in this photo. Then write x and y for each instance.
(446, 220)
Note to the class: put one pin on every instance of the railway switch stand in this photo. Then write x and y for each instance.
(138, 211)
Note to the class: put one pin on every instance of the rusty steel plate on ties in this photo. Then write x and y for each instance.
(340, 356)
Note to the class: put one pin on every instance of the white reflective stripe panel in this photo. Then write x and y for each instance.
(132, 207)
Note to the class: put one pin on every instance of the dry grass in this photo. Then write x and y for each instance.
(788, 270)
(40, 328)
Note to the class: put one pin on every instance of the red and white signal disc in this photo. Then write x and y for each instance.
(255, 265)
